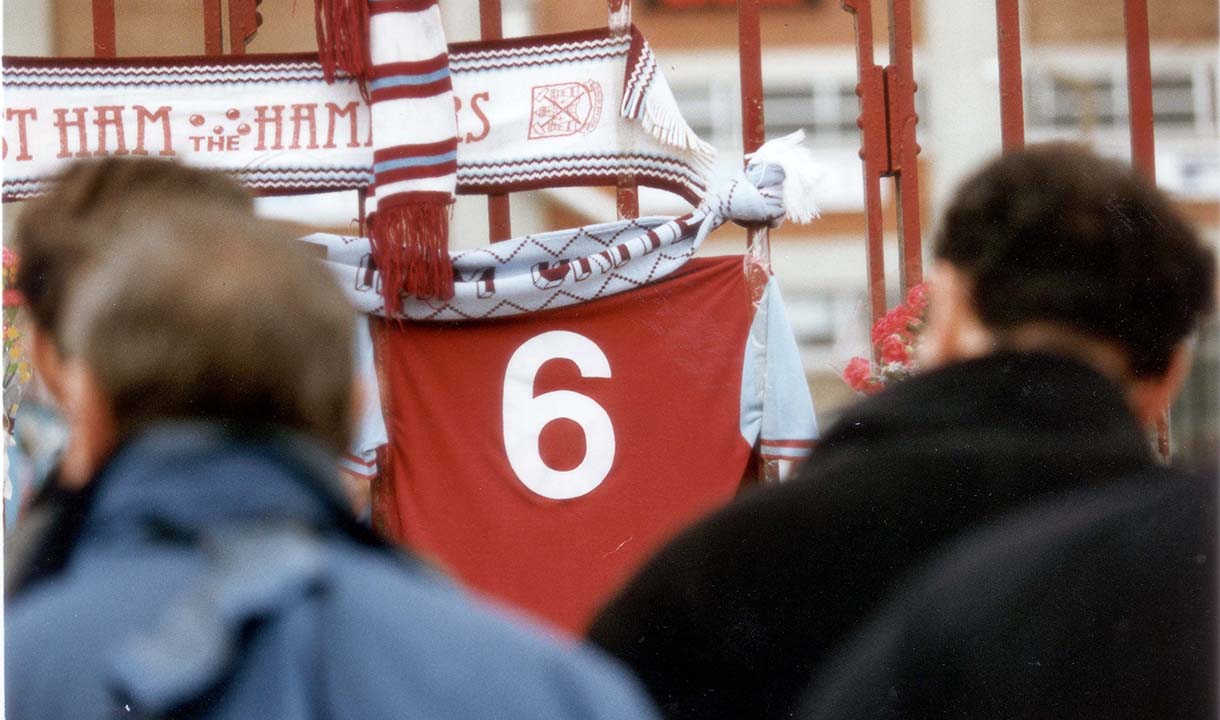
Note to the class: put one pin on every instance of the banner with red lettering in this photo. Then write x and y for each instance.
(581, 108)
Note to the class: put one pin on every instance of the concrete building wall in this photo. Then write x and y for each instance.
(817, 23)
(1172, 21)
(27, 28)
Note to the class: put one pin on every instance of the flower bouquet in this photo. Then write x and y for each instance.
(894, 337)
(16, 364)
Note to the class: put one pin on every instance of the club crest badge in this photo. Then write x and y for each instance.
(565, 109)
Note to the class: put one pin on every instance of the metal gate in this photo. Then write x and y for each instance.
(887, 121)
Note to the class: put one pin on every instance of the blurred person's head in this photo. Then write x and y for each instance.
(205, 316)
(61, 233)
(1053, 248)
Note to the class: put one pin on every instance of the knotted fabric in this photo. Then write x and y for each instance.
(567, 267)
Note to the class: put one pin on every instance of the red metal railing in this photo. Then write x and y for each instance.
(627, 201)
(887, 118)
(1140, 114)
(1139, 87)
(888, 144)
(104, 42)
(749, 49)
(753, 115)
(499, 220)
(1012, 96)
(874, 148)
(1139, 101)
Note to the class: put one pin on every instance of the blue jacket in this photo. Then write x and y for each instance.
(223, 578)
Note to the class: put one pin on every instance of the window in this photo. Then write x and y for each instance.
(1174, 102)
(1082, 96)
(1075, 102)
(1091, 96)
(825, 108)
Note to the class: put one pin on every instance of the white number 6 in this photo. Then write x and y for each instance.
(525, 416)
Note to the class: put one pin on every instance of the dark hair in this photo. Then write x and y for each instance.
(206, 315)
(1056, 234)
(60, 233)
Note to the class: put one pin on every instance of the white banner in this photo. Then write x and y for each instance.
(532, 112)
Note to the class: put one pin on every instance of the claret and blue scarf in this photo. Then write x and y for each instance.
(404, 74)
(566, 267)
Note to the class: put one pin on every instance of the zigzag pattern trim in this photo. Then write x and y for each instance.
(303, 70)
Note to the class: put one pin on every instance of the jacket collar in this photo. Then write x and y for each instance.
(1019, 411)
(184, 477)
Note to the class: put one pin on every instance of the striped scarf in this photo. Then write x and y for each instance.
(396, 50)
(560, 268)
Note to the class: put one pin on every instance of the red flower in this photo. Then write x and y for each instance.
(10, 258)
(895, 350)
(903, 317)
(859, 376)
(893, 336)
(858, 372)
(13, 298)
(895, 322)
(884, 327)
(917, 298)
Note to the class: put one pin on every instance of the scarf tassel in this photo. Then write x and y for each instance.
(343, 29)
(648, 98)
(410, 240)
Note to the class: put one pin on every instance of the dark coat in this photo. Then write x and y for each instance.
(1100, 605)
(221, 577)
(732, 618)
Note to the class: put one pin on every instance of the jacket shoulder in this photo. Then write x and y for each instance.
(426, 645)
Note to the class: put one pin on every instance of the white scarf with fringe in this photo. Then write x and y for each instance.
(579, 108)
(566, 267)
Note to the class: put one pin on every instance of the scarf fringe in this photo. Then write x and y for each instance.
(342, 27)
(410, 242)
(663, 119)
(648, 98)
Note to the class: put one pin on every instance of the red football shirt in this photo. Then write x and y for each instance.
(542, 458)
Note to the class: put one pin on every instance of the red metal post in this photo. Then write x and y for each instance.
(753, 135)
(491, 23)
(873, 148)
(243, 24)
(1012, 100)
(104, 44)
(499, 221)
(753, 120)
(749, 36)
(628, 190)
(362, 197)
(903, 148)
(627, 201)
(213, 34)
(1139, 87)
(1143, 142)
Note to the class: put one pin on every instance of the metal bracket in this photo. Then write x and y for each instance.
(889, 147)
